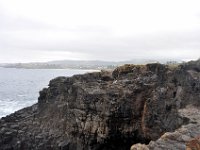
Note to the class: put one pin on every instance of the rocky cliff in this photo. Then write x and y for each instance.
(107, 110)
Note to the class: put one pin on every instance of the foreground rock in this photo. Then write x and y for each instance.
(184, 138)
(106, 110)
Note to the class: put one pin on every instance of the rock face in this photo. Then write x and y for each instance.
(104, 110)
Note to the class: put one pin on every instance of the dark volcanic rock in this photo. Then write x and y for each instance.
(104, 110)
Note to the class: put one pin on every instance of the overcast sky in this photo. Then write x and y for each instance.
(43, 30)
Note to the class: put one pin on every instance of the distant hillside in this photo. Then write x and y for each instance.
(79, 64)
(65, 64)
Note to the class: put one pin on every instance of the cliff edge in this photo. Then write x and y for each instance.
(108, 110)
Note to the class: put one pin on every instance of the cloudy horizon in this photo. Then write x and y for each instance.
(114, 30)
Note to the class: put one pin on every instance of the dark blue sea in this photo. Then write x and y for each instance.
(20, 88)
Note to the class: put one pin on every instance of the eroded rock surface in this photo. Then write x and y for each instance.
(187, 137)
(105, 110)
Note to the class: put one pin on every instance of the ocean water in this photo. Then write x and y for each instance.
(20, 88)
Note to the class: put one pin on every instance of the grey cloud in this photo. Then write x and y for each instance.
(97, 41)
(167, 41)
(10, 23)
(113, 48)
(187, 40)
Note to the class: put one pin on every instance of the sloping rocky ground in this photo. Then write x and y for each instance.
(110, 110)
(187, 137)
